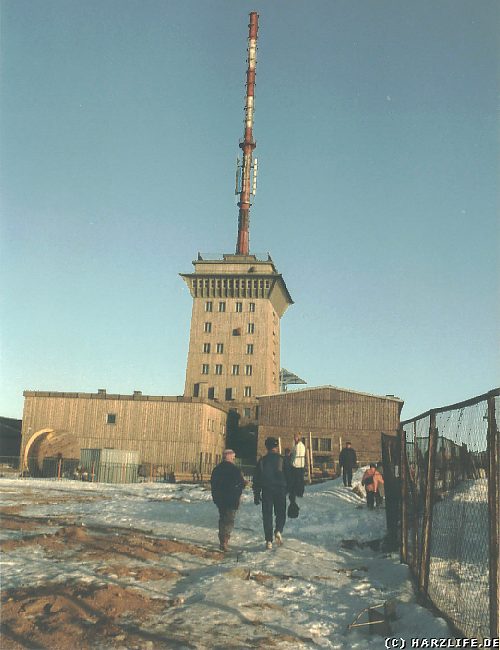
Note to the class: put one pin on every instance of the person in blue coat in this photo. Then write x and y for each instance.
(227, 485)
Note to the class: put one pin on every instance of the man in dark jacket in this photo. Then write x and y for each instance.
(271, 482)
(227, 484)
(348, 462)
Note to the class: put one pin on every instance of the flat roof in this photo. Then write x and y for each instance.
(134, 397)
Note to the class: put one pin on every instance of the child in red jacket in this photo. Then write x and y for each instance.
(372, 478)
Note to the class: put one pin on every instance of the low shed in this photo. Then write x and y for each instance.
(173, 434)
(329, 417)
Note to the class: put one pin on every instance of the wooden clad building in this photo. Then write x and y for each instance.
(177, 433)
(332, 416)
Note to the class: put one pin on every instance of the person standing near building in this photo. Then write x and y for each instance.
(372, 480)
(227, 484)
(348, 462)
(271, 482)
(298, 463)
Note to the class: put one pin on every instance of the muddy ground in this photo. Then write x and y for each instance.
(111, 613)
(121, 605)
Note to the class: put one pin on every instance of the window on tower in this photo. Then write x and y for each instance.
(205, 369)
(251, 328)
(229, 393)
(237, 331)
(251, 306)
(247, 413)
(218, 369)
(206, 347)
(196, 390)
(236, 369)
(220, 348)
(211, 392)
(222, 306)
(248, 391)
(208, 305)
(249, 348)
(239, 306)
(208, 328)
(248, 370)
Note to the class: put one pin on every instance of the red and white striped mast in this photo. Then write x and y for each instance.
(247, 173)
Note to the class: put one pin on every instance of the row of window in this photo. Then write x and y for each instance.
(207, 328)
(219, 348)
(238, 306)
(229, 393)
(232, 283)
(235, 370)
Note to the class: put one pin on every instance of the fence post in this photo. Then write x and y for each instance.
(415, 561)
(59, 467)
(423, 578)
(494, 524)
(310, 458)
(404, 497)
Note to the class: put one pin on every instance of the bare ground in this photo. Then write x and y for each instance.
(112, 611)
(116, 607)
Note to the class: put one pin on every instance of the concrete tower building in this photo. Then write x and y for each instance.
(234, 347)
(238, 300)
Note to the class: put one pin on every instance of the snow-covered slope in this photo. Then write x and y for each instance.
(308, 591)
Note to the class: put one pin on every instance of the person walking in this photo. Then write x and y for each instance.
(371, 480)
(348, 462)
(271, 482)
(227, 484)
(298, 463)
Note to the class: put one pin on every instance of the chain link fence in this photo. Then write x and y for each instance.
(449, 516)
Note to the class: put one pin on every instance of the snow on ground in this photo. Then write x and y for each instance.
(460, 556)
(306, 592)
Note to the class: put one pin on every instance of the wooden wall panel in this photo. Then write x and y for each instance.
(327, 412)
(165, 431)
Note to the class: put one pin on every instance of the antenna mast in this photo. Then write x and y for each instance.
(246, 181)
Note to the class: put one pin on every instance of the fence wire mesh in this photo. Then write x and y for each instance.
(460, 567)
(458, 575)
(417, 443)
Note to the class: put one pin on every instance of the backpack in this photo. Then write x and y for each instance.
(293, 510)
(368, 480)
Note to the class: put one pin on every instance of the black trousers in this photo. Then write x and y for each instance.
(226, 523)
(370, 499)
(273, 499)
(347, 475)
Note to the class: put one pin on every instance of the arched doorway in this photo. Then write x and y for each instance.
(46, 448)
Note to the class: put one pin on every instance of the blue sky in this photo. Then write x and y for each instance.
(377, 140)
